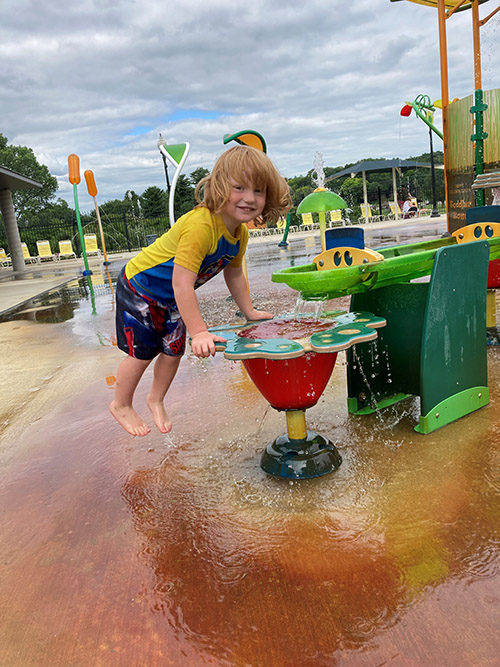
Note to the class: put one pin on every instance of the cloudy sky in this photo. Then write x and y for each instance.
(102, 79)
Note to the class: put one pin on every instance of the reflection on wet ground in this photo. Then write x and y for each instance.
(179, 550)
(59, 305)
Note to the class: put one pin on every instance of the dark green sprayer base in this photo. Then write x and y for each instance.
(300, 459)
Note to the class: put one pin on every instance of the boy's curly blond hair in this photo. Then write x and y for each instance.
(245, 166)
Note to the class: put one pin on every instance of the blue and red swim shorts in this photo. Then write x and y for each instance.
(145, 327)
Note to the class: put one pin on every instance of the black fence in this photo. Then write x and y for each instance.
(123, 233)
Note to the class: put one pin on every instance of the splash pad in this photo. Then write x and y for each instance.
(290, 360)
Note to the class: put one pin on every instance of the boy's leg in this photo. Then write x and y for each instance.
(164, 372)
(128, 375)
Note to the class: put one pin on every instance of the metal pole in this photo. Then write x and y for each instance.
(476, 44)
(395, 194)
(92, 190)
(443, 58)
(479, 107)
(166, 171)
(365, 196)
(435, 212)
(101, 231)
(161, 142)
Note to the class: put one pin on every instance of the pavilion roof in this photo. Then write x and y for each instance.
(380, 165)
(10, 180)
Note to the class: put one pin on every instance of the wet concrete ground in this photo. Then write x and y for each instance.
(179, 550)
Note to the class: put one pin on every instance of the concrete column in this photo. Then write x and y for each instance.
(12, 232)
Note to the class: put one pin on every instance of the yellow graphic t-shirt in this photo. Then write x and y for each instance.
(198, 241)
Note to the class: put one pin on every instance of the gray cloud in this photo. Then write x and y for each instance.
(102, 79)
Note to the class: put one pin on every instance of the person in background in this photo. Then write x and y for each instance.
(410, 208)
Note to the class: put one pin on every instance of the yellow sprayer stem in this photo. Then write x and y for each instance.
(296, 424)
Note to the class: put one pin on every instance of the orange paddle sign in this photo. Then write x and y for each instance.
(74, 169)
(91, 186)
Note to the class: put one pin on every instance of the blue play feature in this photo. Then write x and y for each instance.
(342, 237)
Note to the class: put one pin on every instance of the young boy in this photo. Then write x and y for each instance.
(155, 295)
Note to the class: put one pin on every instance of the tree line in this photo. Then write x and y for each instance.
(40, 208)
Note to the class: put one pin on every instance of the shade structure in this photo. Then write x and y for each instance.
(10, 180)
(380, 165)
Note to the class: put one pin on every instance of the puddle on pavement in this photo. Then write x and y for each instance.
(179, 550)
(60, 304)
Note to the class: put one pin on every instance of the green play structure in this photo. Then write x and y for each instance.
(434, 344)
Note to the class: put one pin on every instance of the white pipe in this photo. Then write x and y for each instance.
(178, 167)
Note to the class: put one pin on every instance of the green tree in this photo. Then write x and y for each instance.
(115, 207)
(419, 180)
(59, 213)
(154, 203)
(22, 160)
(352, 191)
(198, 174)
(300, 187)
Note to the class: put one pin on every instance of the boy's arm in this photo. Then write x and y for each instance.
(237, 285)
(202, 342)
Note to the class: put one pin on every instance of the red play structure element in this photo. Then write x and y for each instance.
(292, 384)
(494, 274)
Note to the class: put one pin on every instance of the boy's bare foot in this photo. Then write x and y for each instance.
(160, 417)
(127, 417)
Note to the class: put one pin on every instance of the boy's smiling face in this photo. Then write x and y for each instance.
(245, 203)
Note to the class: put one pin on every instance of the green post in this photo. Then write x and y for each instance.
(87, 271)
(479, 136)
(284, 242)
(74, 178)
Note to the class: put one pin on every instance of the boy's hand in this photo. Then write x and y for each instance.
(203, 343)
(259, 315)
